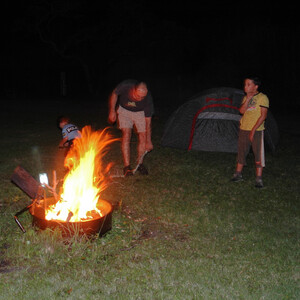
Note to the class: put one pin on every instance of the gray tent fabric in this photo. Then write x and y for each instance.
(209, 121)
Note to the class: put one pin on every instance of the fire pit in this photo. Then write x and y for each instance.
(76, 208)
(96, 225)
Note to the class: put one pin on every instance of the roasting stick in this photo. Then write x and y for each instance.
(135, 169)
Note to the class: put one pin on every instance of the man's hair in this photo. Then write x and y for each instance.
(256, 80)
(140, 83)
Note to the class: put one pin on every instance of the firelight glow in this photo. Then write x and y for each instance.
(85, 180)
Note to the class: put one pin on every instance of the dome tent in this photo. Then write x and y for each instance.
(209, 121)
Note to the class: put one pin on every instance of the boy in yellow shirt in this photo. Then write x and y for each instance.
(254, 109)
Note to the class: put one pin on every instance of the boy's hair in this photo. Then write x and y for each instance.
(256, 80)
(62, 119)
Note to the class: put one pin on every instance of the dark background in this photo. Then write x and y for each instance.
(77, 49)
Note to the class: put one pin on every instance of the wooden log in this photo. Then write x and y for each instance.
(22, 179)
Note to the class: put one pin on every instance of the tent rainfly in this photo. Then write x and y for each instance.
(209, 121)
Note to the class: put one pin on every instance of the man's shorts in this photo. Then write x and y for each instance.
(128, 119)
(244, 145)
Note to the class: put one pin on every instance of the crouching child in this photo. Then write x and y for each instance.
(69, 133)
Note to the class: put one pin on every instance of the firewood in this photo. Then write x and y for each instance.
(22, 179)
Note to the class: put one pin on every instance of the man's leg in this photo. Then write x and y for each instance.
(149, 145)
(140, 126)
(141, 151)
(141, 145)
(125, 145)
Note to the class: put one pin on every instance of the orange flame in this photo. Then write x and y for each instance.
(86, 178)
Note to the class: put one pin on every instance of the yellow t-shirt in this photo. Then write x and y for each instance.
(253, 112)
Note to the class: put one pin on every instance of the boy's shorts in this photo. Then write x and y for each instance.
(244, 145)
(128, 119)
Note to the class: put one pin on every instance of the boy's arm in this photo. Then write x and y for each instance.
(62, 142)
(260, 120)
(244, 105)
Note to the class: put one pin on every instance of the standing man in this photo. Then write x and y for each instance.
(135, 109)
(254, 109)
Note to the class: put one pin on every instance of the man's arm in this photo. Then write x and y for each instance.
(112, 108)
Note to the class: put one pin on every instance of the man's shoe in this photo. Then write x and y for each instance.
(142, 169)
(259, 183)
(237, 177)
(127, 171)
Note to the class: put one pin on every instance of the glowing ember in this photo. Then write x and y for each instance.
(85, 180)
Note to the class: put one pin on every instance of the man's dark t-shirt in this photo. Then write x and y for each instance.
(125, 99)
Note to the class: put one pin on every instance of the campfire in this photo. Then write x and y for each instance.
(78, 205)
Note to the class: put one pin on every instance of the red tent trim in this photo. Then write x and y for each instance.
(218, 99)
(200, 111)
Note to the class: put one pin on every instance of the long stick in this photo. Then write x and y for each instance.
(140, 162)
(135, 169)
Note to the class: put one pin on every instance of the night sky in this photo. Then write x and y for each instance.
(178, 47)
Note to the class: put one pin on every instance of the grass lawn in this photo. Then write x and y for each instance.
(182, 232)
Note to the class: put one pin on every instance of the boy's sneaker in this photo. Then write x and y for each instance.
(237, 177)
(142, 169)
(259, 183)
(127, 171)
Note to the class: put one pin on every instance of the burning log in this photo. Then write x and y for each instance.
(70, 215)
